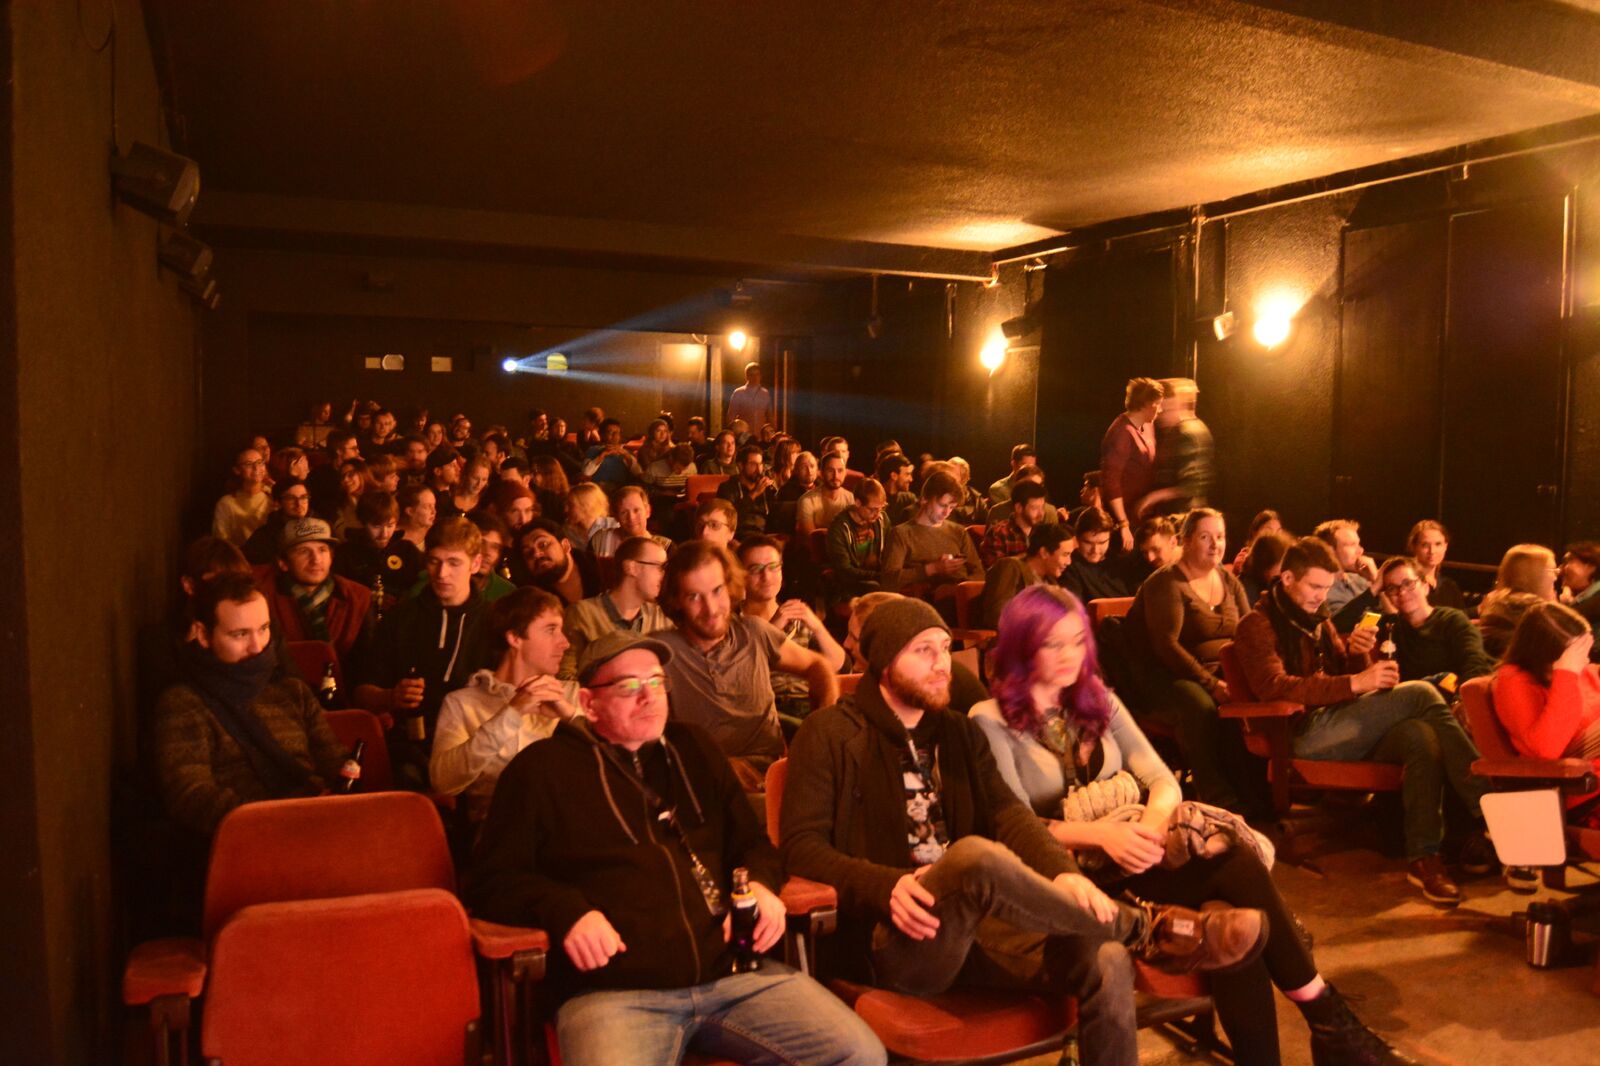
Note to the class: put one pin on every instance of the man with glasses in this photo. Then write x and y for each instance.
(856, 541)
(722, 661)
(242, 511)
(639, 982)
(293, 502)
(629, 605)
(763, 563)
(1430, 642)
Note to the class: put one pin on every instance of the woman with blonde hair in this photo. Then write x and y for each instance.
(588, 515)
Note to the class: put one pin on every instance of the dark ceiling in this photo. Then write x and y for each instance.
(797, 130)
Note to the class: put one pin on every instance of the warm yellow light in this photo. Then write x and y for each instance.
(1274, 320)
(994, 351)
(737, 340)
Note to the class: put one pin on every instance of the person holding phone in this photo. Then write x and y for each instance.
(1359, 709)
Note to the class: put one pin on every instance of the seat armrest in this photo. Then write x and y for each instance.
(175, 966)
(494, 941)
(1570, 775)
(1261, 709)
(802, 897)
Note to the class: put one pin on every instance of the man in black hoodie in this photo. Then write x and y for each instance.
(425, 647)
(944, 876)
(619, 835)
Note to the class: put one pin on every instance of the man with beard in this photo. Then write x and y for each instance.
(818, 508)
(552, 564)
(944, 876)
(895, 473)
(752, 493)
(307, 599)
(722, 661)
(590, 832)
(236, 729)
(629, 604)
(426, 647)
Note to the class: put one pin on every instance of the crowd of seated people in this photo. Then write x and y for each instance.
(478, 590)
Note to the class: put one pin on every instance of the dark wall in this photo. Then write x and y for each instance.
(100, 386)
(295, 324)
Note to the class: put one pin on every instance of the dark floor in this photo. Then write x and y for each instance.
(1446, 987)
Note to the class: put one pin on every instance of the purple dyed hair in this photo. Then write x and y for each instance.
(1024, 625)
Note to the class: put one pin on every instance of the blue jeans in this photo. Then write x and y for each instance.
(1409, 725)
(774, 1016)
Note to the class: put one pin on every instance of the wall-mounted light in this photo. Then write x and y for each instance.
(1222, 326)
(737, 339)
(993, 353)
(1274, 320)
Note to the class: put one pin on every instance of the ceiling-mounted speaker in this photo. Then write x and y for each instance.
(162, 184)
(204, 291)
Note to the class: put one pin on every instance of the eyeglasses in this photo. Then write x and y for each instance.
(763, 568)
(632, 686)
(1402, 586)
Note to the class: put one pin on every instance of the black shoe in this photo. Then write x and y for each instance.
(1477, 855)
(1523, 880)
(1338, 1037)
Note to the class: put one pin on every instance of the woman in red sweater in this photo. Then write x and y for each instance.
(1546, 693)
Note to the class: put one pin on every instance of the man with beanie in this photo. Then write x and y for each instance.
(619, 835)
(944, 875)
(236, 728)
(308, 600)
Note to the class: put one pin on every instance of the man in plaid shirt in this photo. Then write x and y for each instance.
(1010, 535)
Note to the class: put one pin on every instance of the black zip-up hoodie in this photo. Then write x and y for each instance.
(570, 831)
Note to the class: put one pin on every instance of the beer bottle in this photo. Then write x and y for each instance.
(328, 690)
(350, 772)
(416, 725)
(377, 597)
(742, 931)
(1386, 644)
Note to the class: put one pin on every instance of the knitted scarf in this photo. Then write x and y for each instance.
(313, 604)
(1290, 624)
(228, 690)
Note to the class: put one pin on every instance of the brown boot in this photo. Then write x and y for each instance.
(1215, 939)
(1428, 874)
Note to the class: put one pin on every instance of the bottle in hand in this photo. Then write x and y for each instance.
(742, 931)
(416, 726)
(350, 772)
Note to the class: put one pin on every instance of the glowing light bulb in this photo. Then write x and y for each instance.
(509, 366)
(737, 340)
(1274, 320)
(993, 352)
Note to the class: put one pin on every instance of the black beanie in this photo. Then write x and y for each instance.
(890, 628)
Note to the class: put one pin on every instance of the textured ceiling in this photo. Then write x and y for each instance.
(941, 123)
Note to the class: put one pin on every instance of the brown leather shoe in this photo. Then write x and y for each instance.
(1428, 874)
(1215, 939)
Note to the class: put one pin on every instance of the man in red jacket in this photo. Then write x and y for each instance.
(1359, 709)
(309, 601)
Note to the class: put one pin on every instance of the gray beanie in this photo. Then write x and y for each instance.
(891, 627)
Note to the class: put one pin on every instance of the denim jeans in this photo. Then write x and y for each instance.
(773, 1017)
(1409, 725)
(1003, 925)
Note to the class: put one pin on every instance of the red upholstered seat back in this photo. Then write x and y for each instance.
(1477, 704)
(1233, 674)
(382, 978)
(311, 658)
(701, 485)
(848, 684)
(1109, 607)
(353, 725)
(323, 847)
(967, 593)
(777, 777)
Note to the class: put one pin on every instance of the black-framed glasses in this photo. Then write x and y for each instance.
(1402, 586)
(763, 568)
(632, 686)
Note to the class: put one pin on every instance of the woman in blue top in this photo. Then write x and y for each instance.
(1053, 721)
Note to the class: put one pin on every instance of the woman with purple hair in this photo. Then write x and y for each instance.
(1069, 748)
